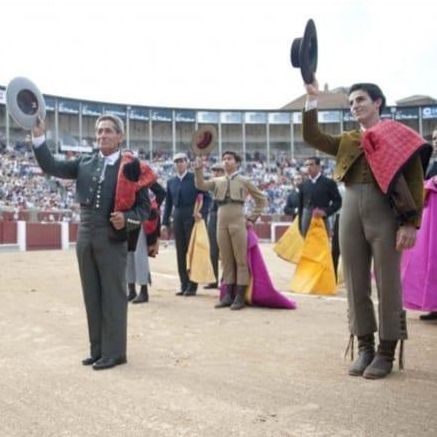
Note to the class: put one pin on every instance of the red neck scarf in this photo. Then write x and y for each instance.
(127, 189)
(388, 146)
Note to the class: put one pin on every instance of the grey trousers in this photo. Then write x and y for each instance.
(138, 268)
(368, 232)
(102, 267)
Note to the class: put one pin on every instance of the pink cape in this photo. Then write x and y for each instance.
(261, 291)
(419, 266)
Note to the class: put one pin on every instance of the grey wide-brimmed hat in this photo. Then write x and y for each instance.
(24, 102)
(204, 140)
(304, 52)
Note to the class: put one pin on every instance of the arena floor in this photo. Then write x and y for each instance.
(193, 370)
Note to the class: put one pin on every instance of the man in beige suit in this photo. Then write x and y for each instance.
(230, 192)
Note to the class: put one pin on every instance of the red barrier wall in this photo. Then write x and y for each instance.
(72, 232)
(280, 230)
(8, 232)
(43, 236)
(263, 230)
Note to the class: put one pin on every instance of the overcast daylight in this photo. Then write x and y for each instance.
(215, 53)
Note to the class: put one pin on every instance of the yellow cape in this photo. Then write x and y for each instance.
(289, 247)
(315, 270)
(199, 264)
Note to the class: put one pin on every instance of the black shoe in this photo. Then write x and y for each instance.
(132, 292)
(107, 363)
(180, 293)
(228, 297)
(366, 354)
(211, 286)
(379, 368)
(239, 303)
(190, 292)
(90, 360)
(430, 316)
(361, 363)
(382, 364)
(143, 296)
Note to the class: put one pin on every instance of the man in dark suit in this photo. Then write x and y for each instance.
(432, 168)
(318, 196)
(217, 171)
(291, 207)
(180, 200)
(111, 204)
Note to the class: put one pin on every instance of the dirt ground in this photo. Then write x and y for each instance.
(193, 370)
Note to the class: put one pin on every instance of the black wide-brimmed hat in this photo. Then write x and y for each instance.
(304, 52)
(204, 140)
(24, 102)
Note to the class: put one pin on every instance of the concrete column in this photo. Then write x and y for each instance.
(21, 235)
(65, 236)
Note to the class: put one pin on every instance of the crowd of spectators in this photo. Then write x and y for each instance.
(24, 187)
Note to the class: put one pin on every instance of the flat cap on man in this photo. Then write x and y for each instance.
(180, 155)
(217, 166)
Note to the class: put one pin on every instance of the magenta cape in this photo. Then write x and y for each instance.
(261, 291)
(419, 265)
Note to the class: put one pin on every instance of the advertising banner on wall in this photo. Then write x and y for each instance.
(162, 115)
(329, 116)
(279, 117)
(208, 117)
(68, 106)
(185, 116)
(139, 114)
(429, 112)
(118, 110)
(94, 109)
(50, 103)
(231, 117)
(388, 113)
(255, 117)
(407, 113)
(297, 117)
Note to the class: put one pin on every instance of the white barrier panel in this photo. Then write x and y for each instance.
(21, 235)
(273, 229)
(65, 236)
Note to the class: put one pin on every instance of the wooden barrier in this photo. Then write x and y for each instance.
(49, 236)
(41, 236)
(8, 232)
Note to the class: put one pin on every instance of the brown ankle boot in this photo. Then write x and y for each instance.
(382, 364)
(143, 296)
(366, 353)
(132, 292)
(228, 297)
(238, 303)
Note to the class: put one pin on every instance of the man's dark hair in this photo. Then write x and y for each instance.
(372, 90)
(236, 156)
(316, 159)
